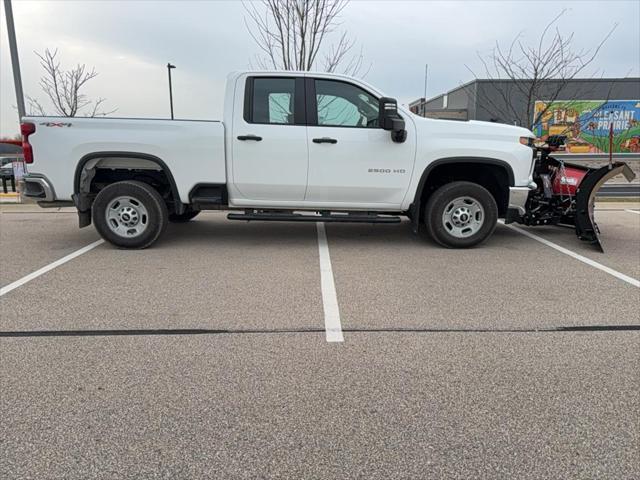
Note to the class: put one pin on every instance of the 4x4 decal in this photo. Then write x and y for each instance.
(56, 124)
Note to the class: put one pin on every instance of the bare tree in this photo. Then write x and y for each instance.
(64, 89)
(524, 73)
(16, 138)
(292, 34)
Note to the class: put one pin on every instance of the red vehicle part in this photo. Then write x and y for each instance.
(27, 129)
(567, 179)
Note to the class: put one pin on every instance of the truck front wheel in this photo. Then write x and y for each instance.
(460, 215)
(129, 214)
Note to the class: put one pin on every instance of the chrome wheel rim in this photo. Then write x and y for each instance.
(463, 217)
(127, 217)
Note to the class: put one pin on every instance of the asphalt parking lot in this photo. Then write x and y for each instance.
(206, 356)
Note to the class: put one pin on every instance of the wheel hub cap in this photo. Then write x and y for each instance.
(127, 216)
(463, 217)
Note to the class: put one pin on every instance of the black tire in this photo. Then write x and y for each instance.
(184, 217)
(444, 231)
(153, 213)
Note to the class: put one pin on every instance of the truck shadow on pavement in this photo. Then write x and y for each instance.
(207, 231)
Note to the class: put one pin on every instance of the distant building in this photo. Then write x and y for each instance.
(503, 101)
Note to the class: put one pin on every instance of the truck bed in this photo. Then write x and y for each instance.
(193, 150)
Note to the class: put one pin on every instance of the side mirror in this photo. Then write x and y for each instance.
(390, 119)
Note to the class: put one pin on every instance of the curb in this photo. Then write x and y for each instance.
(26, 208)
(618, 199)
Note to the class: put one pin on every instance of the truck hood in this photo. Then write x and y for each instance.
(501, 127)
(471, 128)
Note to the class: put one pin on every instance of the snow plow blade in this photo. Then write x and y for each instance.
(585, 225)
(565, 193)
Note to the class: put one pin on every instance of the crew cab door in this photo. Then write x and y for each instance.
(351, 159)
(269, 139)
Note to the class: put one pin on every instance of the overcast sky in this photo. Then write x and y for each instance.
(129, 43)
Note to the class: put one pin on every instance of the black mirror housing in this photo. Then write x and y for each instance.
(389, 119)
(388, 112)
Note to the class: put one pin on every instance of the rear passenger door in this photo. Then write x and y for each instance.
(269, 139)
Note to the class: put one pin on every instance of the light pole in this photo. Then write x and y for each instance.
(15, 62)
(169, 67)
(426, 73)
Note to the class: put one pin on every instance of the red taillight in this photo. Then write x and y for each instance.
(27, 129)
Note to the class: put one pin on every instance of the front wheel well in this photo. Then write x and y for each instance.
(494, 177)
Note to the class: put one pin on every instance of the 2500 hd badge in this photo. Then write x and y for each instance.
(387, 170)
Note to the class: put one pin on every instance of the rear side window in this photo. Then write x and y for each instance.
(272, 101)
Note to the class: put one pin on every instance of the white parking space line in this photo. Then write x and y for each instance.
(47, 268)
(637, 212)
(577, 256)
(332, 326)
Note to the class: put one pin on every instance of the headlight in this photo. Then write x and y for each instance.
(528, 141)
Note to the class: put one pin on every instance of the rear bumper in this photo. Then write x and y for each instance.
(39, 187)
(518, 197)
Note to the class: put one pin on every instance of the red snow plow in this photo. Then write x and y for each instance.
(565, 193)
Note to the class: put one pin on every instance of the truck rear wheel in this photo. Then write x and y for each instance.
(460, 215)
(129, 214)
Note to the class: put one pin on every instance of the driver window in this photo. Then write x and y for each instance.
(342, 104)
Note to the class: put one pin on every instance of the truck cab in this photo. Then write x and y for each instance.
(315, 142)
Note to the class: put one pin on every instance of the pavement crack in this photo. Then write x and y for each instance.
(270, 331)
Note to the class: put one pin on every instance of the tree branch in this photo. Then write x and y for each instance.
(292, 35)
(64, 88)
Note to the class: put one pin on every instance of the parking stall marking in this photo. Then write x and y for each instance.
(637, 212)
(49, 267)
(577, 256)
(332, 325)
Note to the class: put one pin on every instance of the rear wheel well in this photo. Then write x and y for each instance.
(494, 178)
(155, 178)
(97, 171)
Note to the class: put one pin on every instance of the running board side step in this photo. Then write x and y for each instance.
(297, 217)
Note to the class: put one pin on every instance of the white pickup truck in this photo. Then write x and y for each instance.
(293, 146)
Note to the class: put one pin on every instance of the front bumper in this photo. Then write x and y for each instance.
(38, 187)
(518, 197)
